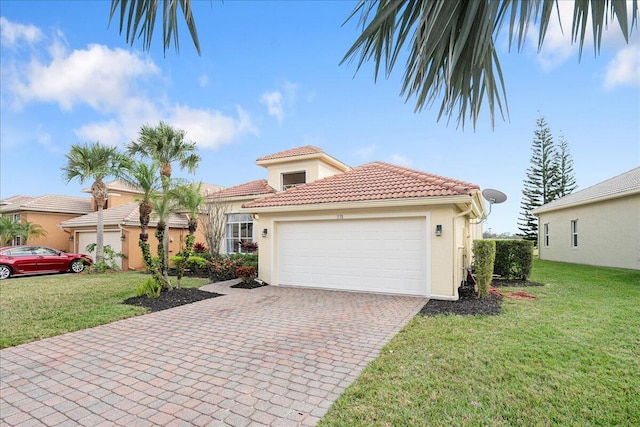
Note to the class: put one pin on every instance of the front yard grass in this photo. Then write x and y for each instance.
(37, 307)
(571, 357)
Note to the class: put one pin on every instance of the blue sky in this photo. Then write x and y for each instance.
(269, 79)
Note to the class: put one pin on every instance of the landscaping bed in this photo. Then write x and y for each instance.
(469, 304)
(171, 299)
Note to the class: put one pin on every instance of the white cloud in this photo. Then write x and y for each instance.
(399, 159)
(210, 129)
(273, 101)
(97, 76)
(109, 132)
(12, 33)
(557, 47)
(624, 69)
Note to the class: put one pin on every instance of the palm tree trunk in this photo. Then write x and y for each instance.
(100, 235)
(164, 270)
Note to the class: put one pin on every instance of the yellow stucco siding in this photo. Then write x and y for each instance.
(314, 168)
(442, 263)
(55, 238)
(608, 233)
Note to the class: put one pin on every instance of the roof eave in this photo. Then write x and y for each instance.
(363, 204)
(542, 209)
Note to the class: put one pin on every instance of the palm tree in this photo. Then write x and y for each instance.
(9, 230)
(95, 161)
(165, 145)
(189, 197)
(164, 205)
(30, 229)
(145, 178)
(452, 52)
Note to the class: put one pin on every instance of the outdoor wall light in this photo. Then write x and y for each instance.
(71, 238)
(122, 236)
(439, 230)
(264, 232)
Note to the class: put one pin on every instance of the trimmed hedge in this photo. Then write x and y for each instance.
(514, 259)
(484, 254)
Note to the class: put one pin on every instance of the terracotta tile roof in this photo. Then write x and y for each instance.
(252, 188)
(47, 203)
(373, 181)
(127, 214)
(118, 185)
(623, 184)
(299, 151)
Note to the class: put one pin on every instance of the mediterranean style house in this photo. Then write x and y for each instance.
(318, 223)
(599, 225)
(374, 228)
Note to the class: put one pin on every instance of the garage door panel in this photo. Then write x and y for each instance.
(379, 255)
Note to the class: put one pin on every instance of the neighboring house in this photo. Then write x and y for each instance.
(599, 225)
(375, 228)
(122, 226)
(47, 211)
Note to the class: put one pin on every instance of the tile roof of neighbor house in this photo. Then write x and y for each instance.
(252, 188)
(373, 181)
(119, 185)
(47, 203)
(621, 185)
(127, 214)
(299, 151)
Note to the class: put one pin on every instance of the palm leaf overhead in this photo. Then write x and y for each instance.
(452, 57)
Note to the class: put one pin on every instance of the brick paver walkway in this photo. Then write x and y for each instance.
(270, 356)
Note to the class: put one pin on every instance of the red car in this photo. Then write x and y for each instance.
(25, 259)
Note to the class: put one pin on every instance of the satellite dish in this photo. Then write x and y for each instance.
(494, 196)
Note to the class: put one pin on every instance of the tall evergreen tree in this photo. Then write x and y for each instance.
(541, 182)
(564, 164)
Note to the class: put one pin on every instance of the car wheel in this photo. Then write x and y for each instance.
(5, 272)
(76, 266)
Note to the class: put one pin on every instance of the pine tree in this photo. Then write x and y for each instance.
(541, 182)
(564, 164)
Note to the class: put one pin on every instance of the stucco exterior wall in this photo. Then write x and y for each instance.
(315, 169)
(443, 260)
(608, 234)
(55, 238)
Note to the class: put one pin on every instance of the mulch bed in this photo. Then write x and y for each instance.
(250, 285)
(172, 298)
(469, 304)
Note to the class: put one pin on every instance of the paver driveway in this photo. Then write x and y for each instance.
(268, 356)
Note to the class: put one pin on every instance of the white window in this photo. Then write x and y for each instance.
(293, 179)
(239, 228)
(546, 234)
(574, 233)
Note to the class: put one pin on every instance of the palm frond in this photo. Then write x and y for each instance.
(138, 17)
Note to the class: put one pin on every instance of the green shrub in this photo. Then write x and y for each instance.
(109, 262)
(249, 260)
(222, 268)
(196, 264)
(151, 288)
(514, 258)
(246, 273)
(484, 255)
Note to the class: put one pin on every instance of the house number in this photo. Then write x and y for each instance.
(339, 216)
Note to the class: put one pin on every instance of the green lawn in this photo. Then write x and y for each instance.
(38, 307)
(571, 357)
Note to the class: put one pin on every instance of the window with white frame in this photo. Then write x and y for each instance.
(574, 233)
(546, 234)
(17, 240)
(239, 228)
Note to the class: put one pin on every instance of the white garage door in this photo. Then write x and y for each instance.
(385, 255)
(111, 238)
